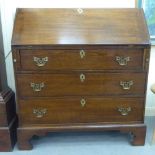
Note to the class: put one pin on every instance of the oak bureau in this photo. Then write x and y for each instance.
(80, 70)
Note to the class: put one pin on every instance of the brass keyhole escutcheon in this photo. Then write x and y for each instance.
(80, 10)
(82, 54)
(83, 102)
(82, 77)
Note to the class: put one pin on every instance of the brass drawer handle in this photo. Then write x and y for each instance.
(39, 112)
(122, 61)
(124, 111)
(37, 86)
(126, 85)
(40, 61)
(82, 54)
(83, 102)
(82, 77)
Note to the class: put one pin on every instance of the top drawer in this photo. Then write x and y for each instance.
(95, 59)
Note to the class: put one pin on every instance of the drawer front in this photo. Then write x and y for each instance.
(47, 85)
(102, 59)
(81, 110)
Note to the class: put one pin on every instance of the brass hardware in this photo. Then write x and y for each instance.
(122, 60)
(124, 111)
(80, 11)
(83, 102)
(40, 61)
(14, 60)
(39, 112)
(37, 86)
(82, 54)
(82, 77)
(126, 85)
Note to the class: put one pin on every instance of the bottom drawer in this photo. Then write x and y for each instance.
(81, 110)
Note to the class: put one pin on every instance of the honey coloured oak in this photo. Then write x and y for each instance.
(68, 26)
(80, 83)
(81, 110)
(82, 59)
(80, 71)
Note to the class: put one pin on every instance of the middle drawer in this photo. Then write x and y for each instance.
(72, 84)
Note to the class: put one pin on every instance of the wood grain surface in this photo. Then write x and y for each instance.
(70, 84)
(70, 110)
(59, 35)
(97, 59)
(68, 26)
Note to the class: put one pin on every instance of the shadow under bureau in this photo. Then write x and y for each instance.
(80, 70)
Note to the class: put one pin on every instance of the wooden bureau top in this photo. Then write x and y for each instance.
(72, 27)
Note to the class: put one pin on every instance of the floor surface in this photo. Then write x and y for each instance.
(98, 143)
